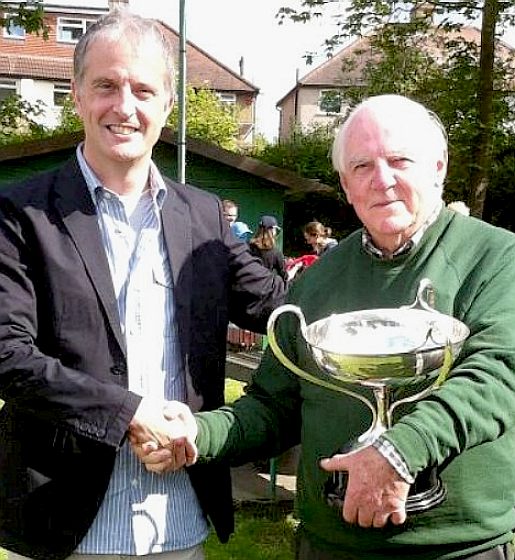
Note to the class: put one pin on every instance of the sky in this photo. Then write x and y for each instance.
(231, 29)
(272, 53)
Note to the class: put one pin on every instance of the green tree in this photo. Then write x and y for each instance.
(30, 17)
(364, 16)
(70, 120)
(18, 119)
(208, 118)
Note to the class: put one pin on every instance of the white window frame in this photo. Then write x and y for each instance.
(62, 89)
(226, 98)
(8, 85)
(65, 25)
(14, 31)
(321, 97)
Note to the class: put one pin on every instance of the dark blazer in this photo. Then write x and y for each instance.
(63, 368)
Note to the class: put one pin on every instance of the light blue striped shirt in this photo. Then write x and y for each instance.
(142, 512)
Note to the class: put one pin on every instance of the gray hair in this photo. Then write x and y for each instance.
(122, 24)
(406, 110)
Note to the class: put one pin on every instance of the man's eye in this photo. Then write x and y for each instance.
(400, 162)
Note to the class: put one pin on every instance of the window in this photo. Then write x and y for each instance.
(7, 87)
(227, 98)
(70, 30)
(330, 101)
(61, 92)
(13, 31)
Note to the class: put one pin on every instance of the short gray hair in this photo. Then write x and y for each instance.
(404, 108)
(133, 28)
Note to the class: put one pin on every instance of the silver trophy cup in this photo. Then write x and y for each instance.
(381, 349)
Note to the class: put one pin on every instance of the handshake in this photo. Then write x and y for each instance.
(163, 436)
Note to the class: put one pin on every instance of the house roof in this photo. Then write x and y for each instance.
(291, 182)
(43, 67)
(329, 74)
(202, 68)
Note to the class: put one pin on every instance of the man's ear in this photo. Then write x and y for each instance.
(76, 98)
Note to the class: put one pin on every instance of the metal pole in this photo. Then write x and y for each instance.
(181, 94)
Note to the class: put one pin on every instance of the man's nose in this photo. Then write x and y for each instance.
(384, 176)
(126, 105)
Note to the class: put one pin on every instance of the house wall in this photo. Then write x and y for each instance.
(308, 113)
(34, 44)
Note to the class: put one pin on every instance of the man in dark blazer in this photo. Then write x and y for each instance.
(66, 313)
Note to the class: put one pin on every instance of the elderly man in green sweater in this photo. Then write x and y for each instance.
(391, 155)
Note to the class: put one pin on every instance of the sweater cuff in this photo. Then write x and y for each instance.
(395, 459)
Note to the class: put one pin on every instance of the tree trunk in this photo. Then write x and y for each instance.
(483, 148)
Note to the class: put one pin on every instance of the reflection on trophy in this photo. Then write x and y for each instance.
(381, 349)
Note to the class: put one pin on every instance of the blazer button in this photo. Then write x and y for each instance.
(119, 369)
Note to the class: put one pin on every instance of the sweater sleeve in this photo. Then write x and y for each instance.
(475, 404)
(255, 425)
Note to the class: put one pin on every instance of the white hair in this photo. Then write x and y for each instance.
(408, 113)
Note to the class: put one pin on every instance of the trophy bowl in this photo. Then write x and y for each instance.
(381, 349)
(391, 347)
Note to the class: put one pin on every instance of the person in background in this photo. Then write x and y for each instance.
(263, 245)
(117, 286)
(391, 156)
(240, 229)
(319, 237)
(230, 209)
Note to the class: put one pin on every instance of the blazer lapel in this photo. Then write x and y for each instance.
(79, 216)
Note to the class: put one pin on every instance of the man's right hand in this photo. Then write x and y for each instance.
(163, 437)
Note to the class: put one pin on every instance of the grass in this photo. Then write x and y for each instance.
(263, 532)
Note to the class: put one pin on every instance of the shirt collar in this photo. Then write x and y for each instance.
(158, 187)
(371, 248)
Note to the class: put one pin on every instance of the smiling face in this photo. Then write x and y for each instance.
(123, 102)
(392, 173)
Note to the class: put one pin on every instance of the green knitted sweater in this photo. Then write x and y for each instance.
(466, 428)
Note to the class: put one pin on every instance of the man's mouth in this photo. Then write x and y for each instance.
(123, 129)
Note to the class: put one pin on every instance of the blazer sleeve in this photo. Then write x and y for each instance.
(56, 357)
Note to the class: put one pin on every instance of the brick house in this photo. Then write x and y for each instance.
(318, 98)
(39, 69)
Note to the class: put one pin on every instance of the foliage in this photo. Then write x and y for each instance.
(208, 118)
(307, 153)
(475, 110)
(70, 120)
(18, 119)
(30, 17)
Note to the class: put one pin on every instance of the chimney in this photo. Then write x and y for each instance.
(422, 11)
(118, 5)
(242, 66)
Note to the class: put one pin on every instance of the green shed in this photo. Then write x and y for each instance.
(257, 188)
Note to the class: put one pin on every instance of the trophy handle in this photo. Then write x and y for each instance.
(285, 361)
(425, 299)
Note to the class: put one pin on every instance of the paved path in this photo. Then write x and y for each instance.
(251, 483)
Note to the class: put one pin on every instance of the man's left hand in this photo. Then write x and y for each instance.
(375, 492)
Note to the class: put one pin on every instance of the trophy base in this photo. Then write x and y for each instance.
(427, 492)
